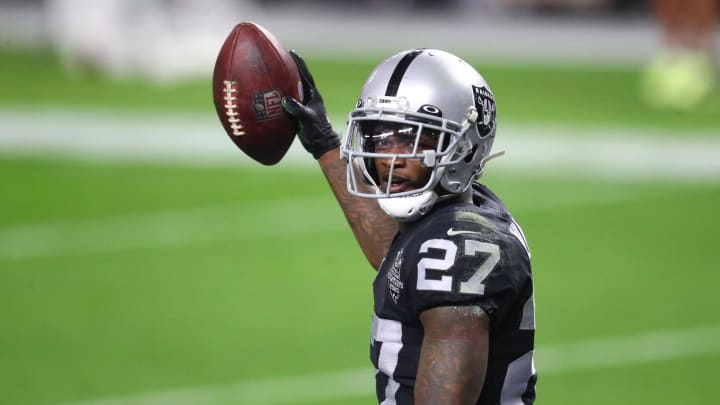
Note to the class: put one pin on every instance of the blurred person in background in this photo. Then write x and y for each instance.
(92, 36)
(454, 314)
(159, 40)
(683, 72)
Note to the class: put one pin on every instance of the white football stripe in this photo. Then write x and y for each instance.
(555, 359)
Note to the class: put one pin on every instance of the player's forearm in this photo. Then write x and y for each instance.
(441, 379)
(453, 357)
(372, 228)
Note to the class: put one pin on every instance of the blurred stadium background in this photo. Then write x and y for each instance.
(145, 260)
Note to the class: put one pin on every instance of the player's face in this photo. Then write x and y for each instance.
(407, 174)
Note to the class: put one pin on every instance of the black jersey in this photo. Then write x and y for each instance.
(459, 254)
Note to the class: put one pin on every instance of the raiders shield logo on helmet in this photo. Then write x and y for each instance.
(485, 105)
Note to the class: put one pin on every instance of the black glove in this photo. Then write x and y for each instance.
(315, 133)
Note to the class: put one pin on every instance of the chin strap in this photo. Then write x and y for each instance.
(410, 208)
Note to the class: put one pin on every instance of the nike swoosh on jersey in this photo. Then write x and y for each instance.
(452, 232)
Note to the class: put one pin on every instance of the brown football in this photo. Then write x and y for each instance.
(253, 72)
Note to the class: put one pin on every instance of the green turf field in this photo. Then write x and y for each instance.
(137, 283)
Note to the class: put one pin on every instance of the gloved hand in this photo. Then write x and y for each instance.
(315, 133)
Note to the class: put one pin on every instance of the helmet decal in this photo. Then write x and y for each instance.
(485, 104)
(399, 72)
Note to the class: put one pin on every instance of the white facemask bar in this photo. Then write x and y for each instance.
(353, 185)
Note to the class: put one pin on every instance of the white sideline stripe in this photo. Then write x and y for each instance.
(629, 350)
(554, 359)
(171, 228)
(233, 222)
(282, 390)
(618, 153)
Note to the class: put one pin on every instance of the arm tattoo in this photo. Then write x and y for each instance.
(453, 358)
(373, 229)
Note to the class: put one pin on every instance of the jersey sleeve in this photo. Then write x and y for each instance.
(480, 267)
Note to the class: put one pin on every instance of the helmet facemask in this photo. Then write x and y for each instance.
(392, 139)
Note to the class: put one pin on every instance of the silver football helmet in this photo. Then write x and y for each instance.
(425, 107)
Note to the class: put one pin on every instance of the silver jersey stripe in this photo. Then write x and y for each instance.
(388, 332)
(516, 379)
(516, 231)
(528, 316)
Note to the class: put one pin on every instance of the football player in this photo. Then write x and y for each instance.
(454, 318)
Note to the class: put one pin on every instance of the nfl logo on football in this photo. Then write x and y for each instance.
(267, 104)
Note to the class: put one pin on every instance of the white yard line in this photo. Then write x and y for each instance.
(617, 153)
(207, 224)
(633, 350)
(639, 349)
(170, 228)
(279, 390)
